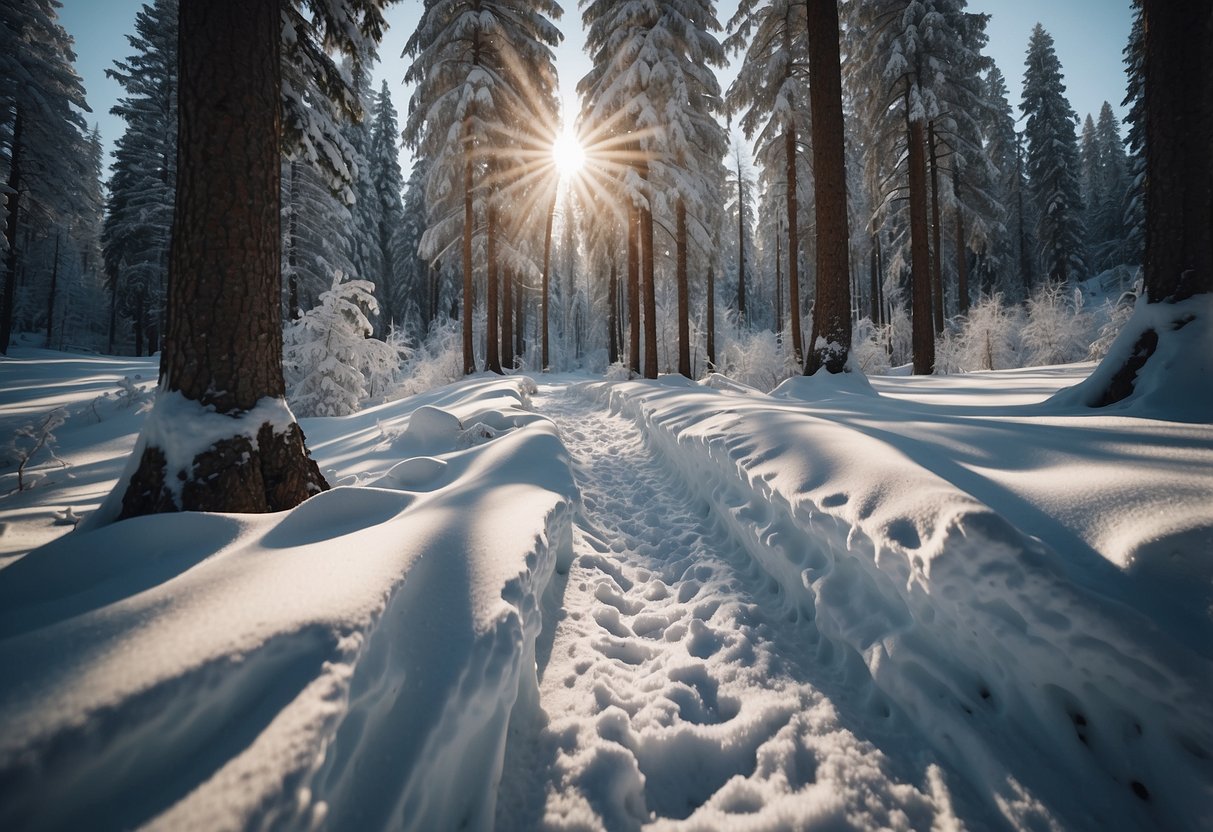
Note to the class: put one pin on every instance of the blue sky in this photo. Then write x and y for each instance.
(1089, 35)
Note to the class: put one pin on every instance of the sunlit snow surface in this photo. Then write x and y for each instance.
(568, 604)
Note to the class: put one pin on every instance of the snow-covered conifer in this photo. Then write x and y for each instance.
(1052, 161)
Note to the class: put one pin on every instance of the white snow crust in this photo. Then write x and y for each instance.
(962, 602)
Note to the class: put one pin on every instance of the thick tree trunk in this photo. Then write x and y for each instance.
(936, 233)
(874, 283)
(224, 345)
(831, 341)
(711, 319)
(50, 299)
(649, 292)
(292, 244)
(634, 288)
(962, 253)
(740, 245)
(11, 225)
(546, 301)
(469, 354)
(684, 302)
(613, 312)
(520, 302)
(507, 319)
(922, 331)
(789, 145)
(492, 352)
(778, 285)
(1178, 261)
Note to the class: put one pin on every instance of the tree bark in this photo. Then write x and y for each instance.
(224, 345)
(492, 351)
(547, 280)
(649, 292)
(711, 319)
(778, 285)
(1178, 262)
(922, 331)
(11, 225)
(50, 300)
(740, 244)
(684, 302)
(936, 233)
(507, 319)
(469, 354)
(613, 312)
(962, 253)
(634, 288)
(831, 341)
(789, 145)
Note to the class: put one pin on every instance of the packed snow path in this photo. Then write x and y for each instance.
(680, 689)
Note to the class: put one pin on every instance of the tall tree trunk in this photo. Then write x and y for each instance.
(469, 355)
(634, 288)
(546, 301)
(923, 333)
(520, 303)
(492, 352)
(684, 302)
(50, 299)
(507, 319)
(831, 341)
(1178, 262)
(613, 312)
(778, 284)
(649, 292)
(10, 232)
(292, 244)
(224, 345)
(740, 245)
(1025, 256)
(109, 344)
(789, 147)
(874, 282)
(962, 254)
(711, 319)
(936, 229)
(140, 321)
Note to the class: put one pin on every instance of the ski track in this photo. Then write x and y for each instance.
(680, 689)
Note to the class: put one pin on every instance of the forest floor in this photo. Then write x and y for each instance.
(556, 602)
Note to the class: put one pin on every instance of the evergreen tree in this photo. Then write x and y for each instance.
(388, 184)
(1002, 256)
(1052, 161)
(139, 209)
(1134, 217)
(1113, 193)
(44, 136)
(223, 352)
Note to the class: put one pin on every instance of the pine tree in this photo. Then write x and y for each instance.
(1052, 161)
(999, 261)
(45, 152)
(770, 94)
(1134, 216)
(223, 353)
(388, 185)
(139, 209)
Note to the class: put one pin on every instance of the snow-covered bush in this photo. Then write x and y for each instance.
(870, 347)
(328, 353)
(754, 357)
(899, 335)
(30, 440)
(436, 361)
(1058, 330)
(1114, 314)
(988, 338)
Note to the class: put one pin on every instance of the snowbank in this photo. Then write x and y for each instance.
(353, 662)
(1065, 705)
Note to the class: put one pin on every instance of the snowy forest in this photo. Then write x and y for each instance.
(782, 424)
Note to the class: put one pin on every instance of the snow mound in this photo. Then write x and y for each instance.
(958, 618)
(352, 663)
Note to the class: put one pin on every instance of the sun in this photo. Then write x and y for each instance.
(567, 154)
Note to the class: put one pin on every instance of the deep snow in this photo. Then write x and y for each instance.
(953, 602)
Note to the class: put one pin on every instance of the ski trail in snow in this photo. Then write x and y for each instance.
(680, 689)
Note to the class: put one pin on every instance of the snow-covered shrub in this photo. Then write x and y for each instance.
(754, 357)
(870, 347)
(1058, 330)
(130, 393)
(328, 352)
(988, 338)
(948, 353)
(30, 440)
(1114, 314)
(618, 372)
(899, 335)
(436, 361)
